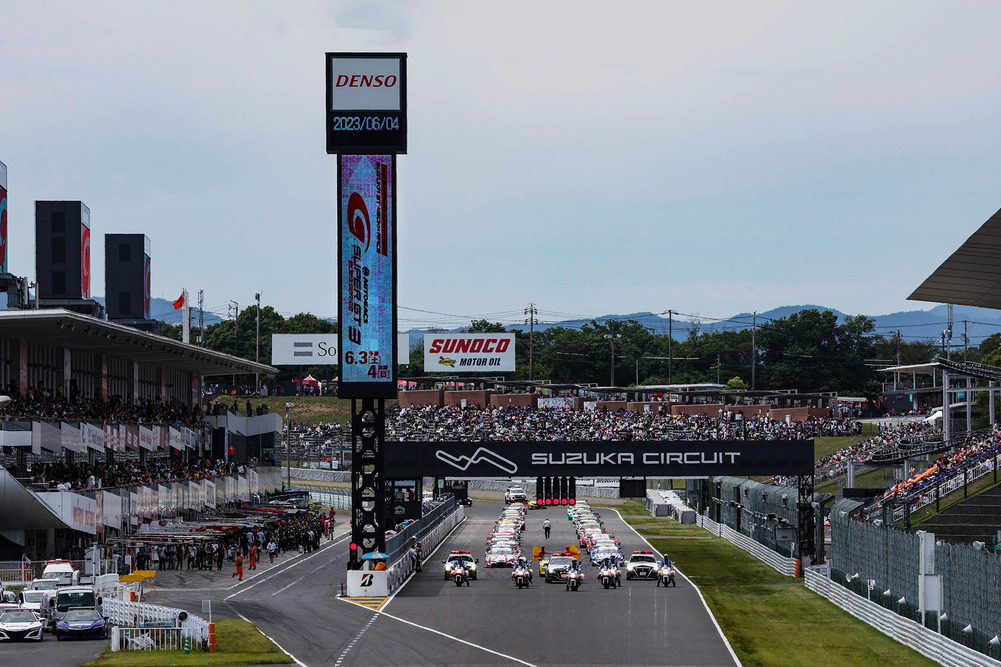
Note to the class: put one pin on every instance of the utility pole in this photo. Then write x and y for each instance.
(966, 341)
(257, 347)
(896, 376)
(754, 347)
(234, 307)
(670, 343)
(717, 368)
(531, 311)
(611, 337)
(201, 318)
(948, 349)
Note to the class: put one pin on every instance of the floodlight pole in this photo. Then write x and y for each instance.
(257, 356)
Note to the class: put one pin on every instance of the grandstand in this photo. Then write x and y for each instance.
(105, 428)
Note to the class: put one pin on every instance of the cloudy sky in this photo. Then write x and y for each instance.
(589, 157)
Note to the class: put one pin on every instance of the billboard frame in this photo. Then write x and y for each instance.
(368, 141)
(385, 389)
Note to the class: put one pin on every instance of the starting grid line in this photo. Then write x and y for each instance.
(373, 603)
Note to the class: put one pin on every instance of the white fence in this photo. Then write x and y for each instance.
(400, 570)
(783, 565)
(130, 615)
(904, 630)
(148, 639)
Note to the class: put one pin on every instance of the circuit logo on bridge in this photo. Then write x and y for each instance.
(481, 455)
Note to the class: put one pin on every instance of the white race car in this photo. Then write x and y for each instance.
(20, 624)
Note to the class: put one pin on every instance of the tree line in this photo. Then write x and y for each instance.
(809, 351)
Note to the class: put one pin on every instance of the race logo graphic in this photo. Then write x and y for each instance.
(3, 230)
(85, 262)
(367, 579)
(481, 455)
(445, 361)
(146, 286)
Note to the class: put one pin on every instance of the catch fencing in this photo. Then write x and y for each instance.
(908, 632)
(429, 533)
(882, 563)
(149, 617)
(339, 499)
(783, 565)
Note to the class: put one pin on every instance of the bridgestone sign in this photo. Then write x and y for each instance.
(668, 458)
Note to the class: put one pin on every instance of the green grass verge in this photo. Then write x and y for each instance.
(238, 642)
(774, 620)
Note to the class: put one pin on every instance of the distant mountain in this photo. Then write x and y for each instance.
(163, 309)
(912, 324)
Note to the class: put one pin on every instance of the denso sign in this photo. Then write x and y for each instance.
(365, 84)
(469, 353)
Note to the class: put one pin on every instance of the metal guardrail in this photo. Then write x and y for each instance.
(397, 545)
(780, 563)
(147, 639)
(909, 633)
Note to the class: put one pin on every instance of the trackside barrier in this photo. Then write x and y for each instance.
(783, 565)
(909, 633)
(131, 615)
(429, 540)
(146, 639)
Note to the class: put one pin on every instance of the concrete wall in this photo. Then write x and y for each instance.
(711, 410)
(611, 405)
(797, 414)
(478, 398)
(409, 399)
(517, 400)
(639, 406)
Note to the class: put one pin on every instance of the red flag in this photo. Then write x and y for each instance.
(180, 302)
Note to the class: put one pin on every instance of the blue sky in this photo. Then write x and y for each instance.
(589, 157)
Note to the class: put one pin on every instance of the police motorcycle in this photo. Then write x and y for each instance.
(608, 574)
(665, 573)
(574, 577)
(458, 573)
(522, 574)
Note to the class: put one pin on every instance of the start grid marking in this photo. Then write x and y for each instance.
(354, 640)
(374, 603)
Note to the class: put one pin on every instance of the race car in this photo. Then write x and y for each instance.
(642, 565)
(466, 558)
(82, 624)
(502, 556)
(20, 624)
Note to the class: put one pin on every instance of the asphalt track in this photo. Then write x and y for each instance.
(432, 622)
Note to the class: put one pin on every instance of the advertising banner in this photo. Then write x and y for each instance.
(366, 280)
(131, 437)
(84, 251)
(70, 438)
(471, 353)
(93, 436)
(3, 218)
(79, 512)
(146, 286)
(252, 481)
(166, 499)
(146, 438)
(112, 510)
(303, 349)
(47, 436)
(208, 489)
(195, 499)
(556, 402)
(667, 458)
(176, 441)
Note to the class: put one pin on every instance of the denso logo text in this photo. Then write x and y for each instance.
(366, 81)
(459, 345)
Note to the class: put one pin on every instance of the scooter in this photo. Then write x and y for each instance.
(458, 575)
(606, 575)
(573, 579)
(521, 577)
(665, 575)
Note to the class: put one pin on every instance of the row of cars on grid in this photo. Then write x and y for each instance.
(56, 603)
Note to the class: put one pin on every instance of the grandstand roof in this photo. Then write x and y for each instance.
(971, 276)
(62, 328)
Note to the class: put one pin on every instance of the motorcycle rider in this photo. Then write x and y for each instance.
(667, 562)
(459, 565)
(523, 562)
(607, 563)
(574, 567)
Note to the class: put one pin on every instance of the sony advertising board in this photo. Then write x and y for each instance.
(667, 458)
(3, 218)
(366, 276)
(319, 349)
(470, 353)
(366, 103)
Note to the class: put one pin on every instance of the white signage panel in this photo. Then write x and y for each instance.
(319, 349)
(469, 353)
(365, 84)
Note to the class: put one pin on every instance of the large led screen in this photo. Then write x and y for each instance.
(84, 252)
(3, 218)
(366, 280)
